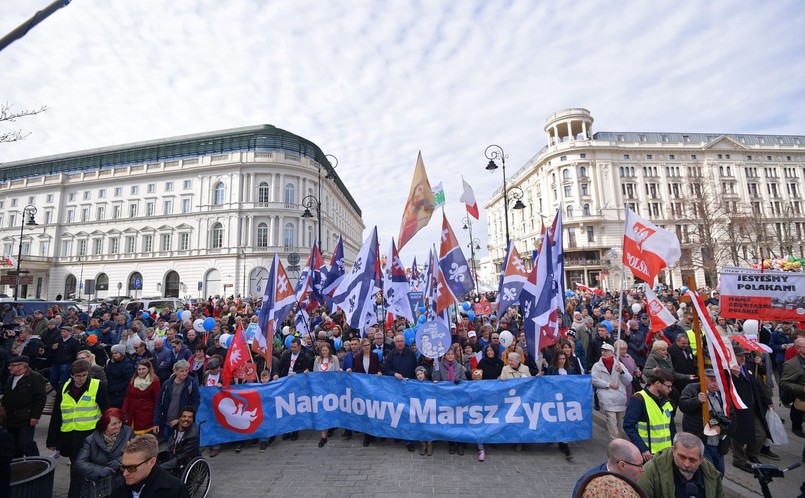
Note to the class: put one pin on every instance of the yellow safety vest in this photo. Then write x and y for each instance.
(692, 339)
(81, 415)
(656, 433)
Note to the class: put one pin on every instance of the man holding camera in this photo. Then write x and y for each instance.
(717, 441)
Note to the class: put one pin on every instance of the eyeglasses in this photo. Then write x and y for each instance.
(669, 386)
(133, 468)
(641, 464)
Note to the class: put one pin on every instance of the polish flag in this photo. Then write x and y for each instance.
(721, 355)
(750, 343)
(468, 198)
(660, 316)
(475, 358)
(647, 248)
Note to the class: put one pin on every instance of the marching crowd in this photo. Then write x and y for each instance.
(122, 380)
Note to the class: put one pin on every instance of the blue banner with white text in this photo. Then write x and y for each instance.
(532, 410)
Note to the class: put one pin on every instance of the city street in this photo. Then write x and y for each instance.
(387, 469)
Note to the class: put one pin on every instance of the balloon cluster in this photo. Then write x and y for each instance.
(782, 264)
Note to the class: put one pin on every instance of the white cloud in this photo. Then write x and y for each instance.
(373, 82)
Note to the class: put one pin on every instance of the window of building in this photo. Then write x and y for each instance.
(133, 210)
(102, 193)
(187, 184)
(66, 248)
(263, 192)
(135, 189)
(582, 172)
(149, 209)
(48, 217)
(115, 212)
(151, 188)
(590, 234)
(586, 210)
(567, 191)
(217, 236)
(693, 156)
(585, 190)
(168, 186)
(148, 243)
(184, 241)
(85, 214)
(219, 194)
(100, 213)
(649, 156)
(290, 194)
(262, 235)
(165, 242)
(582, 156)
(563, 158)
(70, 216)
(288, 238)
(113, 245)
(82, 247)
(118, 191)
(44, 248)
(97, 244)
(626, 156)
(570, 211)
(686, 138)
(185, 206)
(130, 244)
(86, 195)
(167, 207)
(70, 197)
(49, 199)
(671, 156)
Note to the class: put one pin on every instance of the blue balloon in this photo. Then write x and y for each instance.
(288, 340)
(608, 325)
(493, 317)
(569, 293)
(228, 341)
(410, 336)
(421, 309)
(209, 324)
(379, 353)
(683, 289)
(146, 315)
(466, 306)
(421, 319)
(337, 343)
(471, 314)
(257, 312)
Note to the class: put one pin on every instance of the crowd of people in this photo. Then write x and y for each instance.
(122, 380)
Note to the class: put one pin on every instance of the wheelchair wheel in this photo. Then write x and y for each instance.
(197, 477)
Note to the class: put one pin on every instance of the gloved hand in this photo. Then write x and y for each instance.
(106, 472)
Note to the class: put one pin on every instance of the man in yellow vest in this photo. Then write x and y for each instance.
(78, 406)
(648, 421)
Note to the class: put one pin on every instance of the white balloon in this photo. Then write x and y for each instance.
(506, 338)
(750, 327)
(187, 315)
(636, 308)
(198, 325)
(222, 340)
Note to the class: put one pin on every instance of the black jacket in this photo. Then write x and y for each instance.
(188, 447)
(402, 362)
(682, 365)
(65, 351)
(302, 362)
(757, 403)
(26, 401)
(158, 484)
(118, 376)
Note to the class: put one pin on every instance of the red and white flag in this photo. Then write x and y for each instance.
(721, 355)
(661, 316)
(236, 358)
(750, 343)
(475, 358)
(647, 248)
(468, 198)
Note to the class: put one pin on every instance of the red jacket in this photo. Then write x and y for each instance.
(138, 407)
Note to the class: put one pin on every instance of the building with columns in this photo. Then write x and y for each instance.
(732, 199)
(190, 216)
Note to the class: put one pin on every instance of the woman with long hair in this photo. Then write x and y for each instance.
(490, 364)
(141, 398)
(325, 362)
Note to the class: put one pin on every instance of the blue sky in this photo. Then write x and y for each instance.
(374, 82)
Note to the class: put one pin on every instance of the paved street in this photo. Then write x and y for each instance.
(386, 469)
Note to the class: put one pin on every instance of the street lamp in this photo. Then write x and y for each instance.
(314, 202)
(81, 281)
(493, 153)
(27, 219)
(474, 245)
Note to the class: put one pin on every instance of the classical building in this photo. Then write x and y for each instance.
(730, 198)
(188, 216)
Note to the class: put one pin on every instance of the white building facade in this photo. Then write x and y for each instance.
(742, 192)
(191, 216)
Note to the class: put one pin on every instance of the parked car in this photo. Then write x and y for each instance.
(158, 304)
(31, 305)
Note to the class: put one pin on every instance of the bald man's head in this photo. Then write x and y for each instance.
(624, 458)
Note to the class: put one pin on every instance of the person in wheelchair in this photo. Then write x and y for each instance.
(183, 445)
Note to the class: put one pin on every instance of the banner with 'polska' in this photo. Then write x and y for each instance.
(532, 410)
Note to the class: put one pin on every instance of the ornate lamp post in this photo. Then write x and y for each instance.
(28, 219)
(493, 153)
(314, 202)
(474, 245)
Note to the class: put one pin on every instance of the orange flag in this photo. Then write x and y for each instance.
(420, 205)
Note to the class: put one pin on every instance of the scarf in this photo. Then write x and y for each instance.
(451, 369)
(109, 440)
(142, 383)
(608, 363)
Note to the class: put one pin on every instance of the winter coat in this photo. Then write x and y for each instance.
(163, 365)
(24, 402)
(656, 361)
(94, 458)
(658, 479)
(118, 375)
(692, 420)
(189, 395)
(139, 405)
(158, 484)
(441, 374)
(611, 400)
(757, 403)
(793, 378)
(491, 367)
(374, 363)
(402, 362)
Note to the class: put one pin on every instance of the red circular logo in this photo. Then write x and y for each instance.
(238, 411)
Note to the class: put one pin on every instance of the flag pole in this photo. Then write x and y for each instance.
(623, 283)
(699, 356)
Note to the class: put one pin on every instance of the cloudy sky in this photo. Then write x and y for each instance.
(373, 82)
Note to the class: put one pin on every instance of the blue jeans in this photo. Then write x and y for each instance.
(717, 459)
(59, 375)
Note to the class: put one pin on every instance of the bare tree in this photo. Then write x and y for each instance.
(9, 115)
